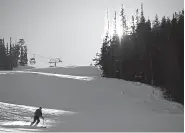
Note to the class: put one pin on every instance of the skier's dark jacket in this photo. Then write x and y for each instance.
(38, 113)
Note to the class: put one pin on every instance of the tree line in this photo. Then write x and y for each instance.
(12, 54)
(151, 52)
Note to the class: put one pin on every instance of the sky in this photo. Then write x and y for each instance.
(69, 29)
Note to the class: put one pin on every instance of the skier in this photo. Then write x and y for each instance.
(37, 114)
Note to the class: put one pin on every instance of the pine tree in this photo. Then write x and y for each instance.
(22, 56)
(142, 19)
(23, 52)
(133, 25)
(115, 52)
(156, 22)
(102, 58)
(137, 17)
(10, 55)
(1, 55)
(114, 23)
(163, 22)
(16, 54)
(123, 21)
(7, 49)
(25, 58)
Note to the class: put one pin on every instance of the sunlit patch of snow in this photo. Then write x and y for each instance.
(2, 73)
(5, 72)
(5, 130)
(55, 75)
(20, 128)
(16, 109)
(13, 123)
(20, 116)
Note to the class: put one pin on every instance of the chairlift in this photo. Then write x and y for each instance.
(32, 60)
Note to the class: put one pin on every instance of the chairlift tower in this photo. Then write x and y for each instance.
(54, 61)
(32, 60)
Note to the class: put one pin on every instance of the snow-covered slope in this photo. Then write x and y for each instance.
(100, 104)
(73, 70)
(23, 67)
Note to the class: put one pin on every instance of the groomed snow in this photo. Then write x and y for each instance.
(100, 104)
(72, 70)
